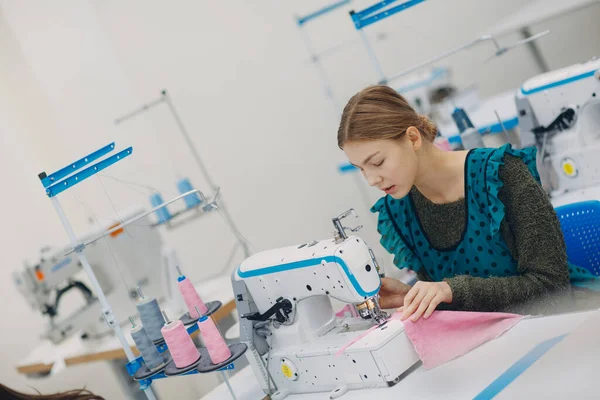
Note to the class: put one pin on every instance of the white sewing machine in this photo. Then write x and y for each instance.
(289, 289)
(561, 110)
(125, 260)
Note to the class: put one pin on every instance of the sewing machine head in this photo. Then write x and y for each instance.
(561, 110)
(122, 259)
(284, 300)
(343, 268)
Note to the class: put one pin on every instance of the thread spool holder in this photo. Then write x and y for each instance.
(212, 306)
(201, 208)
(64, 179)
(71, 175)
(145, 377)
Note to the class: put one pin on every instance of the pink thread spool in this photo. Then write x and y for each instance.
(191, 297)
(180, 344)
(215, 344)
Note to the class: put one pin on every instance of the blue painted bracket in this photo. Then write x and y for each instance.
(68, 170)
(325, 10)
(67, 177)
(366, 17)
(77, 177)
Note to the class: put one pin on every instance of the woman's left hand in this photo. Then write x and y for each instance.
(423, 298)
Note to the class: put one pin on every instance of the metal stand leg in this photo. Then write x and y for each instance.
(228, 385)
(107, 311)
(320, 70)
(223, 209)
(130, 388)
(535, 51)
(383, 80)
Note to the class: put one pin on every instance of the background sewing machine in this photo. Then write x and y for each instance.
(560, 112)
(126, 259)
(290, 290)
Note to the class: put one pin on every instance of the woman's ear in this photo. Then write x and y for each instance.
(414, 137)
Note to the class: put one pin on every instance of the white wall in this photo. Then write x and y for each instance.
(239, 75)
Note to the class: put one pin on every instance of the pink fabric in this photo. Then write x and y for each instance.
(446, 335)
(356, 339)
(347, 308)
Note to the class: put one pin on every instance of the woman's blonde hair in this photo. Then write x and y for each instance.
(379, 112)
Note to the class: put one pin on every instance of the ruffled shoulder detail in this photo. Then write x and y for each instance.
(392, 238)
(494, 183)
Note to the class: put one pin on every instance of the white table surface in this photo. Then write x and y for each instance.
(47, 353)
(462, 378)
(591, 193)
(537, 12)
(567, 370)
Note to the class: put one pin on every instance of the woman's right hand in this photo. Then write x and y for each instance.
(392, 292)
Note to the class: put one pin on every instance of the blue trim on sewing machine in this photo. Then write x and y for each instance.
(518, 368)
(61, 173)
(308, 263)
(345, 168)
(436, 73)
(302, 20)
(364, 18)
(491, 129)
(497, 127)
(558, 83)
(74, 179)
(61, 264)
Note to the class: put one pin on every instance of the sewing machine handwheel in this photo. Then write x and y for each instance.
(206, 365)
(212, 306)
(145, 373)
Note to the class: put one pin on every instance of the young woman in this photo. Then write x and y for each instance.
(476, 226)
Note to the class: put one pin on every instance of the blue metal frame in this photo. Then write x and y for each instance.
(325, 10)
(77, 177)
(61, 173)
(365, 17)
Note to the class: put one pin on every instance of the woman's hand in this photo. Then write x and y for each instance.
(392, 292)
(423, 298)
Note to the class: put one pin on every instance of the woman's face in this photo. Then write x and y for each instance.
(389, 165)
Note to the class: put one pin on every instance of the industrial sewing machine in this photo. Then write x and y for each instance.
(561, 110)
(288, 291)
(128, 258)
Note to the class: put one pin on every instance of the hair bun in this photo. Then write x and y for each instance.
(428, 128)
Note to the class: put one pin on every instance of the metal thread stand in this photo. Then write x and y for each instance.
(314, 56)
(316, 60)
(164, 98)
(382, 10)
(64, 179)
(70, 176)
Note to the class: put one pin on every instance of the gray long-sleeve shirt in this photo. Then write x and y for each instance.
(532, 232)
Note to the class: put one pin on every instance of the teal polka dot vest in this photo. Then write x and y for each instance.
(482, 250)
